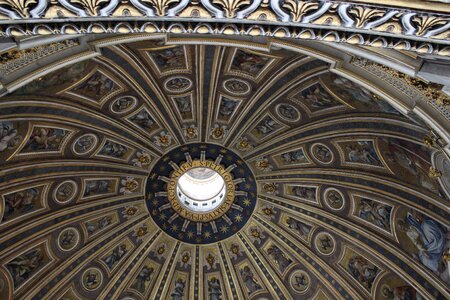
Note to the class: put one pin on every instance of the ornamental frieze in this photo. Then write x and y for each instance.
(397, 25)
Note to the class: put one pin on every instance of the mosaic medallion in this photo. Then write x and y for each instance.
(201, 193)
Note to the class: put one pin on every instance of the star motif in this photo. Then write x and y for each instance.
(207, 234)
(238, 218)
(154, 212)
(162, 168)
(198, 240)
(224, 229)
(155, 202)
(155, 185)
(241, 171)
(247, 202)
(162, 217)
(248, 186)
(153, 176)
(190, 235)
(180, 236)
(174, 228)
(164, 226)
(223, 151)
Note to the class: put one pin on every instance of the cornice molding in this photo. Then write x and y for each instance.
(397, 25)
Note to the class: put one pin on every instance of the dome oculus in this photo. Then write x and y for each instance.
(201, 193)
(201, 189)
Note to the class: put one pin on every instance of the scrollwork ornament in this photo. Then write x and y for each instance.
(22, 9)
(424, 23)
(231, 6)
(298, 9)
(85, 8)
(363, 15)
(161, 6)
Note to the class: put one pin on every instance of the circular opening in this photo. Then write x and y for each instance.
(201, 189)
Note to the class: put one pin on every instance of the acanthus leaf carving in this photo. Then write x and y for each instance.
(425, 23)
(161, 6)
(298, 9)
(86, 8)
(363, 15)
(20, 8)
(231, 6)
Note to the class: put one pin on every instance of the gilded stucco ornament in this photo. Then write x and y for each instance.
(414, 88)
(415, 30)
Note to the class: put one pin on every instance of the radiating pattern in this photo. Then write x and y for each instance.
(346, 206)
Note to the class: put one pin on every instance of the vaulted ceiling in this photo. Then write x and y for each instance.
(341, 195)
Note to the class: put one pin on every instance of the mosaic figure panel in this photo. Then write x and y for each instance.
(65, 191)
(250, 281)
(362, 152)
(227, 108)
(325, 243)
(360, 268)
(180, 287)
(373, 212)
(357, 95)
(236, 86)
(85, 144)
(316, 98)
(300, 281)
(68, 239)
(22, 202)
(426, 240)
(45, 139)
(411, 160)
(298, 227)
(322, 153)
(265, 128)
(10, 138)
(169, 58)
(99, 224)
(27, 264)
(307, 193)
(278, 257)
(178, 84)
(144, 121)
(97, 87)
(61, 77)
(292, 158)
(115, 150)
(113, 258)
(99, 187)
(288, 112)
(146, 277)
(334, 199)
(248, 62)
(92, 279)
(123, 104)
(184, 106)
